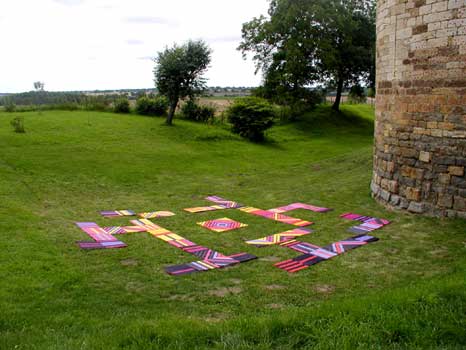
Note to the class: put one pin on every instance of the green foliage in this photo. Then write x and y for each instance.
(250, 117)
(199, 113)
(306, 42)
(357, 94)
(121, 105)
(97, 103)
(18, 125)
(153, 106)
(371, 92)
(10, 106)
(44, 98)
(178, 72)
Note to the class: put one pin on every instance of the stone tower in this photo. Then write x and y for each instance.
(420, 131)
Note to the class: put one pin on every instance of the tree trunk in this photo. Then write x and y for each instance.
(171, 111)
(336, 105)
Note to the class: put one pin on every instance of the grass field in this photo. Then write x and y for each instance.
(406, 291)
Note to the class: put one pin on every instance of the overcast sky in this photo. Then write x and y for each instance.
(108, 44)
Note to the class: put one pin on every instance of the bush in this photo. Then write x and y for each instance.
(199, 113)
(250, 117)
(121, 105)
(97, 103)
(18, 125)
(152, 105)
(357, 94)
(10, 106)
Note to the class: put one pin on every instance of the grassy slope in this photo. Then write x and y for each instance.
(406, 290)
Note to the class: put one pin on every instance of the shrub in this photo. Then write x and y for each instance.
(250, 117)
(357, 94)
(18, 125)
(97, 103)
(152, 105)
(10, 106)
(121, 105)
(199, 113)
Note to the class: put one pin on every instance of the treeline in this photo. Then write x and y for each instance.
(47, 98)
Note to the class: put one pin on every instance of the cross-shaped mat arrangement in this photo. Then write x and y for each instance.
(103, 237)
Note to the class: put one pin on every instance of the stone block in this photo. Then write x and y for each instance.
(413, 194)
(417, 208)
(424, 157)
(456, 170)
(445, 200)
(459, 203)
(444, 179)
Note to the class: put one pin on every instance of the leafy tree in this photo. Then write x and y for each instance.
(39, 86)
(304, 42)
(178, 72)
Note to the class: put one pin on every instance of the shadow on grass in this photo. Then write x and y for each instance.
(324, 120)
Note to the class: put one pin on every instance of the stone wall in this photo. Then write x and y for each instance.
(420, 132)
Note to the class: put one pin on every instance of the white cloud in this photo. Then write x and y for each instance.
(134, 42)
(109, 44)
(149, 20)
(69, 2)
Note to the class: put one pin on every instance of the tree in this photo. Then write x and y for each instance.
(39, 86)
(178, 72)
(304, 42)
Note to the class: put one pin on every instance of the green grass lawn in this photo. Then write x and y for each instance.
(405, 291)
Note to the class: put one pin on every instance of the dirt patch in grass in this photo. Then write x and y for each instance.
(270, 259)
(221, 292)
(274, 287)
(324, 288)
(129, 262)
(181, 297)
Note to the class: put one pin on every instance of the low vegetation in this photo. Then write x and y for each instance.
(192, 110)
(250, 117)
(151, 105)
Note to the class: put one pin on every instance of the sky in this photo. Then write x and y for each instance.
(109, 44)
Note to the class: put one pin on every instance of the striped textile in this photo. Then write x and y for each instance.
(222, 225)
(116, 213)
(279, 238)
(314, 254)
(156, 214)
(295, 206)
(368, 223)
(275, 216)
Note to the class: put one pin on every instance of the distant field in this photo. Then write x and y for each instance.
(406, 291)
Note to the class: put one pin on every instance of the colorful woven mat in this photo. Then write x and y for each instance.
(101, 245)
(277, 217)
(205, 265)
(156, 214)
(102, 239)
(295, 206)
(224, 202)
(369, 223)
(204, 209)
(222, 225)
(116, 213)
(279, 238)
(315, 254)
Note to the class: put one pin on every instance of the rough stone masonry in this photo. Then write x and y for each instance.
(420, 131)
